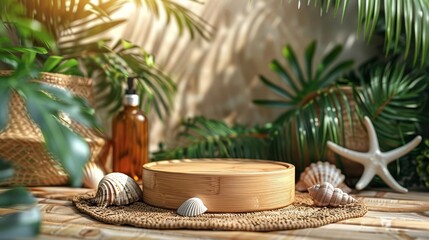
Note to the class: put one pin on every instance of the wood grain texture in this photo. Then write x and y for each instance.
(386, 219)
(223, 185)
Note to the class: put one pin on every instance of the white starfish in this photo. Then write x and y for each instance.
(374, 161)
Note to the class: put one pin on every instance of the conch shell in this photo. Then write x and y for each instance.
(192, 207)
(325, 194)
(117, 189)
(321, 172)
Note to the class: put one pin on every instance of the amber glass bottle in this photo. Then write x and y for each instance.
(130, 137)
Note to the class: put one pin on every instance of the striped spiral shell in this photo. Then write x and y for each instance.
(325, 194)
(192, 207)
(117, 189)
(321, 172)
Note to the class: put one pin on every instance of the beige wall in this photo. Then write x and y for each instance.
(218, 78)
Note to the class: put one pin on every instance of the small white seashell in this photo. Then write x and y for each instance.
(117, 189)
(320, 172)
(192, 207)
(325, 194)
(92, 175)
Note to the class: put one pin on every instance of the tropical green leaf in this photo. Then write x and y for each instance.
(57, 64)
(275, 88)
(16, 196)
(46, 106)
(394, 100)
(65, 145)
(70, 66)
(39, 50)
(298, 136)
(154, 86)
(328, 59)
(308, 57)
(22, 224)
(283, 74)
(300, 88)
(333, 74)
(289, 55)
(402, 18)
(51, 63)
(273, 103)
(203, 138)
(69, 149)
(315, 109)
(64, 101)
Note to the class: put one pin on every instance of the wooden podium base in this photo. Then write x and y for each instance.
(224, 185)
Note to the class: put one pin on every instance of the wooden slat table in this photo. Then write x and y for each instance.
(390, 216)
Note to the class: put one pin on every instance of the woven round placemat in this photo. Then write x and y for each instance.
(300, 214)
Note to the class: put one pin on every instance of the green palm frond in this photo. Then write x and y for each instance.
(315, 108)
(394, 100)
(208, 138)
(16, 30)
(125, 59)
(402, 18)
(302, 83)
(299, 136)
(77, 27)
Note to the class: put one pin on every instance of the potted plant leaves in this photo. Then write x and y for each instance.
(67, 36)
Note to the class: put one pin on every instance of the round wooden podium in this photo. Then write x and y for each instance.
(224, 185)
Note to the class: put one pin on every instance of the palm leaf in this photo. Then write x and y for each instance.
(77, 27)
(394, 100)
(402, 18)
(17, 30)
(299, 135)
(155, 87)
(208, 138)
(299, 89)
(314, 108)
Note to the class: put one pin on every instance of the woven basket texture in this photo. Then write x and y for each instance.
(301, 214)
(355, 137)
(22, 143)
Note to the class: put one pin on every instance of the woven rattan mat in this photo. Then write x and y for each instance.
(301, 214)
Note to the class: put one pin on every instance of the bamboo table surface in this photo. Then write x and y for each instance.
(390, 216)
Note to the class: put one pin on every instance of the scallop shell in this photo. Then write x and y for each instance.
(325, 194)
(117, 189)
(92, 175)
(320, 172)
(192, 207)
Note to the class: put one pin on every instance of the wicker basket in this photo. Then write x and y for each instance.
(355, 138)
(21, 142)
